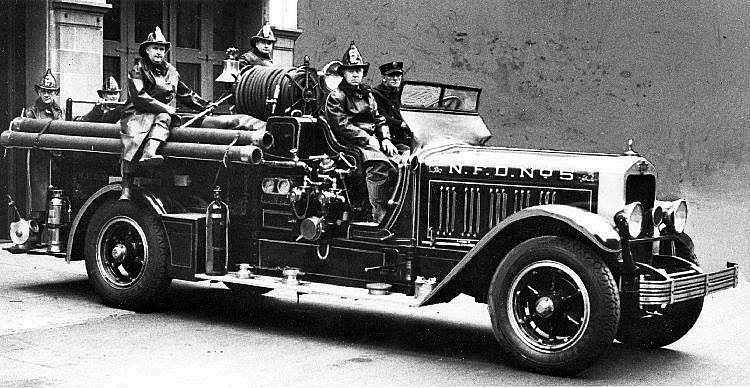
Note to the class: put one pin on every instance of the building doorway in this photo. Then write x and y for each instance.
(200, 32)
(13, 89)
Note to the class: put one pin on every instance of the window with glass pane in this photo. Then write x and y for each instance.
(189, 24)
(190, 75)
(148, 17)
(112, 68)
(221, 89)
(225, 25)
(112, 22)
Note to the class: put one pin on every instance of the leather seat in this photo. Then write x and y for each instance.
(354, 154)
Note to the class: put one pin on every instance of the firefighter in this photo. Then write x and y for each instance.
(353, 115)
(38, 166)
(154, 86)
(388, 96)
(45, 106)
(261, 47)
(107, 109)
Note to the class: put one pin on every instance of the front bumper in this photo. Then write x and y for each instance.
(660, 287)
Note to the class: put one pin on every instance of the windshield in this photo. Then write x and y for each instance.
(420, 95)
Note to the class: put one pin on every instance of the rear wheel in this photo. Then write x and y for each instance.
(127, 255)
(554, 305)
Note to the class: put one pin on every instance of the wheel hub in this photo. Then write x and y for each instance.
(545, 307)
(119, 253)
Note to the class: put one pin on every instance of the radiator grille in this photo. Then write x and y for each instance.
(469, 210)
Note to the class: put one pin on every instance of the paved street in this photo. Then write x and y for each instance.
(54, 332)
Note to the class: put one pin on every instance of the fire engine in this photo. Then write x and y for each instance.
(569, 250)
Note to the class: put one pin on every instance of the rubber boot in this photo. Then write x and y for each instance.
(127, 180)
(150, 158)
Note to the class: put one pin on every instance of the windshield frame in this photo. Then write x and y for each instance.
(443, 88)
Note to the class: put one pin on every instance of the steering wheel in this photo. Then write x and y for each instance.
(451, 103)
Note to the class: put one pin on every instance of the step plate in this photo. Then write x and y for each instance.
(306, 287)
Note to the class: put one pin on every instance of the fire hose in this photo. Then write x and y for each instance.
(189, 143)
(265, 91)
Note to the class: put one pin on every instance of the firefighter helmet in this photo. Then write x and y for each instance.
(265, 33)
(155, 37)
(352, 59)
(48, 82)
(110, 86)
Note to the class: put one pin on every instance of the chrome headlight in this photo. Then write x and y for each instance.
(631, 217)
(269, 185)
(676, 215)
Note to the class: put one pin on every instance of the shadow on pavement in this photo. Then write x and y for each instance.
(78, 290)
(330, 322)
(385, 331)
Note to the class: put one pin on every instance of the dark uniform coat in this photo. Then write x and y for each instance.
(255, 58)
(353, 116)
(389, 105)
(40, 110)
(102, 113)
(161, 89)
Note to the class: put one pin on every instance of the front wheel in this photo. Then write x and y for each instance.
(554, 305)
(127, 255)
(660, 326)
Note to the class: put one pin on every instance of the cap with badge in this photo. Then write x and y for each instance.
(392, 68)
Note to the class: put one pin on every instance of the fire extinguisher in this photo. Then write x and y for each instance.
(217, 235)
(57, 217)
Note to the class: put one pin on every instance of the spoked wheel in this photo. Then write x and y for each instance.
(127, 255)
(122, 252)
(549, 306)
(554, 305)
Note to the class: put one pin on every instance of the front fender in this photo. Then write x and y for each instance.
(77, 233)
(531, 222)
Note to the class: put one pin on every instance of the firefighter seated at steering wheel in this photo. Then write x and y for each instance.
(353, 115)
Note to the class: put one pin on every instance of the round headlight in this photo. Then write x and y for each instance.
(283, 186)
(632, 216)
(269, 185)
(678, 215)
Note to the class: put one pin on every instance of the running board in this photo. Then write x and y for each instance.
(305, 287)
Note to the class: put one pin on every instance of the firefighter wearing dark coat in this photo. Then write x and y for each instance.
(44, 106)
(107, 109)
(38, 163)
(353, 115)
(154, 87)
(388, 96)
(261, 47)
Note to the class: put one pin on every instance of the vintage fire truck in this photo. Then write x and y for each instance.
(569, 250)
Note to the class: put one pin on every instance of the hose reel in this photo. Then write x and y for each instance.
(266, 91)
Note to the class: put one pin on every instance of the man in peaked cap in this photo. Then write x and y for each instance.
(154, 88)
(353, 115)
(388, 96)
(261, 48)
(107, 109)
(45, 106)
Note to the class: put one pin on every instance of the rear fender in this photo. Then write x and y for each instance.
(473, 273)
(77, 235)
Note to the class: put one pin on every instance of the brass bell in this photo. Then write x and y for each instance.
(231, 67)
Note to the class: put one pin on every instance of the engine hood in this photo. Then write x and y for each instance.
(534, 167)
(499, 157)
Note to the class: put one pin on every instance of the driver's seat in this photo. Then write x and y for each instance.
(355, 154)
(358, 198)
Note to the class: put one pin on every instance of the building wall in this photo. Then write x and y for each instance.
(577, 74)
